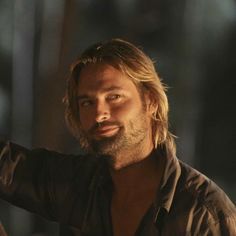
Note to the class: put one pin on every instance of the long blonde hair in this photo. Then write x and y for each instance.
(134, 63)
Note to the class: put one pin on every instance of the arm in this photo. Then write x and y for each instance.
(225, 226)
(37, 180)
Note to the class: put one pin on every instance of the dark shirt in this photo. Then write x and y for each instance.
(76, 191)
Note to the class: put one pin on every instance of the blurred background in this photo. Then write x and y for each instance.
(193, 44)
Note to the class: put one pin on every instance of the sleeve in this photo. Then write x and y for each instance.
(37, 180)
(225, 226)
(228, 227)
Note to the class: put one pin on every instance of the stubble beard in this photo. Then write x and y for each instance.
(125, 142)
(121, 141)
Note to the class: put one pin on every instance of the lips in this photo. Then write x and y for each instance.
(106, 131)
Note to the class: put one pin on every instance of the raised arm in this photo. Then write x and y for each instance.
(37, 180)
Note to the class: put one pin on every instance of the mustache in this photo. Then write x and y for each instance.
(96, 126)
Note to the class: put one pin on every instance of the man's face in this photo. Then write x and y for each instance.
(113, 117)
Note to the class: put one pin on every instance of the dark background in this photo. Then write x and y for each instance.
(192, 42)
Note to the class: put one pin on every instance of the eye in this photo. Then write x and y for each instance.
(114, 97)
(85, 103)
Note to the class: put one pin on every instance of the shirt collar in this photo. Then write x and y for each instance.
(171, 174)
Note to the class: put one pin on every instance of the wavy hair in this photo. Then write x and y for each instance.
(135, 64)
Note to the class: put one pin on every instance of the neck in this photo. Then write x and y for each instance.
(131, 179)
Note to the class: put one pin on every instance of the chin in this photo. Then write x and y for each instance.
(107, 146)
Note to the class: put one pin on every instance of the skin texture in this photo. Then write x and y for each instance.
(108, 97)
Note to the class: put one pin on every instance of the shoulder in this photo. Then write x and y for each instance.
(202, 204)
(203, 190)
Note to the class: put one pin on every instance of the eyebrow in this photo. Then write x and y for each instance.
(109, 89)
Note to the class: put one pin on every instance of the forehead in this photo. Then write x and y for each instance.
(94, 77)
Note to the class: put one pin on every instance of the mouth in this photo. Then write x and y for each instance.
(106, 131)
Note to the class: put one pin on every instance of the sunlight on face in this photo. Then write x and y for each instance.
(108, 98)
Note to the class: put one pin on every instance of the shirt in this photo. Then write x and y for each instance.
(76, 191)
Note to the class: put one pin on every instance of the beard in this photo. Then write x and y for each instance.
(127, 137)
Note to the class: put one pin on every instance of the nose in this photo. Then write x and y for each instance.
(102, 112)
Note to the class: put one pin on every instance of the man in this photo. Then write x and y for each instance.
(130, 182)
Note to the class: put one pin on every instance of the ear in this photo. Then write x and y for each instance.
(150, 102)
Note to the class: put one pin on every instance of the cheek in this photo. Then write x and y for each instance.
(85, 120)
(128, 111)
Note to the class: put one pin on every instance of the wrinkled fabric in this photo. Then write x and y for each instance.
(76, 192)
